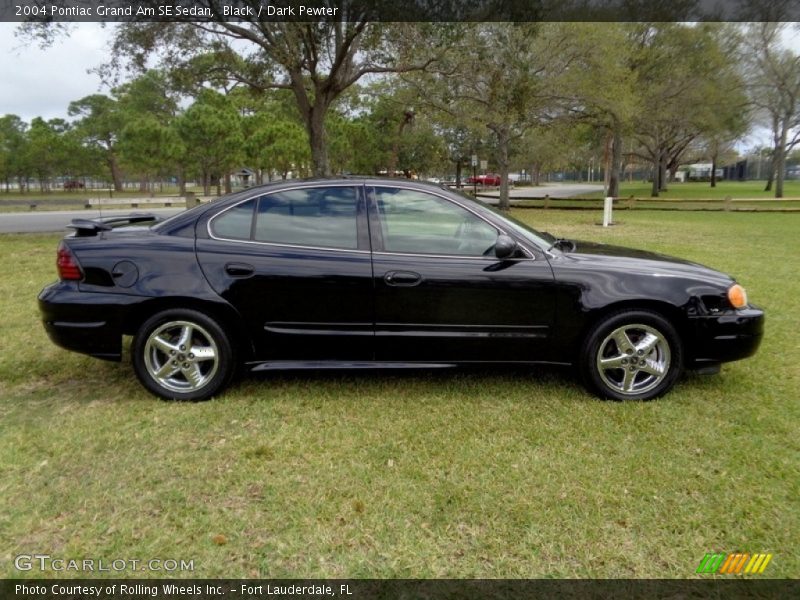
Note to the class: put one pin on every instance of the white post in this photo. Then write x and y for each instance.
(607, 211)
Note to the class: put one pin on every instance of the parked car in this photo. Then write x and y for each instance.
(487, 179)
(74, 184)
(362, 273)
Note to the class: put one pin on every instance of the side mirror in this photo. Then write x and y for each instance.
(505, 247)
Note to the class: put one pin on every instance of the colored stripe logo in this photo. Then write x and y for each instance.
(734, 564)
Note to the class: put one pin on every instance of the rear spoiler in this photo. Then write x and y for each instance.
(91, 227)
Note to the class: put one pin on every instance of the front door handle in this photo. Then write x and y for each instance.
(235, 269)
(402, 278)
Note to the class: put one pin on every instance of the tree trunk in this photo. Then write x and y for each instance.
(317, 138)
(662, 174)
(116, 173)
(776, 140)
(714, 170)
(181, 183)
(458, 173)
(780, 162)
(656, 175)
(502, 164)
(770, 176)
(616, 164)
(206, 184)
(228, 183)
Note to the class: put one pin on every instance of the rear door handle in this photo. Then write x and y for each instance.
(236, 269)
(402, 278)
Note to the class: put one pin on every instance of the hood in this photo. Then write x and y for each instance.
(595, 248)
(634, 261)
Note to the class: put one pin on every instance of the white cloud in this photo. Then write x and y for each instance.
(37, 82)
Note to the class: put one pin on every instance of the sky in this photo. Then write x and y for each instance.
(42, 82)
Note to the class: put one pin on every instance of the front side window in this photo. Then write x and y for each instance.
(416, 222)
(318, 217)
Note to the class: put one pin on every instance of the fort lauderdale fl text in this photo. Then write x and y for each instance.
(174, 10)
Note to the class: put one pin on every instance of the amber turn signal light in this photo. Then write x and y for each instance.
(737, 296)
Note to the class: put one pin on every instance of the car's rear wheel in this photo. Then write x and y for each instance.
(182, 355)
(631, 355)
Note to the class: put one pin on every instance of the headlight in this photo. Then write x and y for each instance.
(737, 296)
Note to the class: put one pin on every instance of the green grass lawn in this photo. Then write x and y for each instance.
(512, 474)
(694, 190)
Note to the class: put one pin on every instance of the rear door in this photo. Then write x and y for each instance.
(441, 294)
(296, 264)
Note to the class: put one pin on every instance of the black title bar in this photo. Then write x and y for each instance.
(394, 10)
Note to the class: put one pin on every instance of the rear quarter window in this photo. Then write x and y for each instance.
(235, 223)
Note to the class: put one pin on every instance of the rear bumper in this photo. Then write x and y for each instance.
(726, 337)
(81, 322)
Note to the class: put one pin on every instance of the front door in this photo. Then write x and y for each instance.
(441, 294)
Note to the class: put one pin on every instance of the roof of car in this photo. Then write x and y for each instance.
(179, 221)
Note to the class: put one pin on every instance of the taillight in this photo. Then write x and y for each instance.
(68, 267)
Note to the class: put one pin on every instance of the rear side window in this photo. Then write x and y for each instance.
(309, 217)
(318, 217)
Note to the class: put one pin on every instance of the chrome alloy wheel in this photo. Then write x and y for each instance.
(633, 359)
(181, 356)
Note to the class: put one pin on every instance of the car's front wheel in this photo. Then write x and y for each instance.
(182, 355)
(631, 355)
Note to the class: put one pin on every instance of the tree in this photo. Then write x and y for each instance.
(398, 134)
(600, 89)
(274, 138)
(683, 76)
(276, 145)
(148, 141)
(773, 84)
(317, 61)
(13, 151)
(150, 146)
(502, 77)
(542, 148)
(100, 124)
(48, 150)
(461, 142)
(354, 144)
(211, 131)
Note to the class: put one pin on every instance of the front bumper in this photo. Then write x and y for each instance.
(84, 322)
(725, 337)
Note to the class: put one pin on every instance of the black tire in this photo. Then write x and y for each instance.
(182, 354)
(641, 363)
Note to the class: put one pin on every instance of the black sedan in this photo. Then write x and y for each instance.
(382, 273)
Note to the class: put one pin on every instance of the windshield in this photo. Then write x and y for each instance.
(542, 239)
